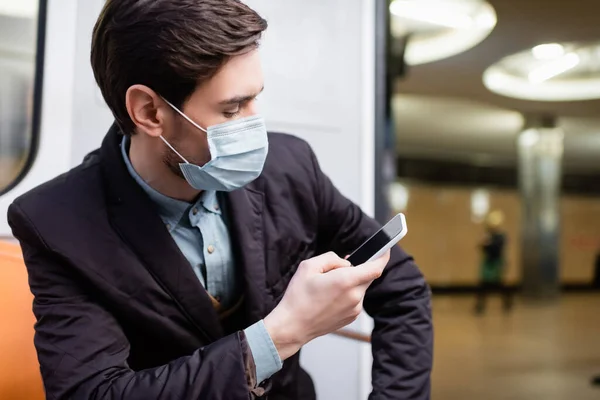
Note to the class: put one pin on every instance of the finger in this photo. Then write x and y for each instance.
(327, 262)
(368, 272)
(385, 257)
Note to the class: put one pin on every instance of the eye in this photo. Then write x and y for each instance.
(231, 114)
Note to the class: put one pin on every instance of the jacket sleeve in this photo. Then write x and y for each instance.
(399, 301)
(83, 351)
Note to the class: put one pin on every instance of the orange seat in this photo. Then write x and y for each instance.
(20, 377)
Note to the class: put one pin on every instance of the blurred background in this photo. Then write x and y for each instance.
(493, 108)
(480, 120)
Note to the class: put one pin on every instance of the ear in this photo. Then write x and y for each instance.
(146, 110)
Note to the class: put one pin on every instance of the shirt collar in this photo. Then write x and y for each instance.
(171, 210)
(210, 202)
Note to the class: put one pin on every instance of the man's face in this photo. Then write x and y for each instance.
(229, 95)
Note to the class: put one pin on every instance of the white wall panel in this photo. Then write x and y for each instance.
(319, 65)
(91, 116)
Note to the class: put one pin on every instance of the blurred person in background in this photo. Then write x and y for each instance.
(596, 284)
(493, 263)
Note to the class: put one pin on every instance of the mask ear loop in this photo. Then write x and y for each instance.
(187, 119)
(184, 116)
(172, 148)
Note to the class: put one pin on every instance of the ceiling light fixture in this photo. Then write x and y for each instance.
(554, 68)
(432, 12)
(486, 21)
(548, 51)
(439, 29)
(528, 75)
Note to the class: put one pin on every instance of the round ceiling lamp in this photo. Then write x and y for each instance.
(548, 72)
(439, 29)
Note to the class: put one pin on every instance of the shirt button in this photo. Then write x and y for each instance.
(211, 249)
(168, 226)
(217, 207)
(194, 211)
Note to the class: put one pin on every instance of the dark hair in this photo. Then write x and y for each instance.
(171, 46)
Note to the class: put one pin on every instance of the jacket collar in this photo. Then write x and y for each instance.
(136, 218)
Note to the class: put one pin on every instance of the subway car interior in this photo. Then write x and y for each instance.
(477, 119)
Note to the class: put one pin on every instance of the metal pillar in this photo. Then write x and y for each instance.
(540, 151)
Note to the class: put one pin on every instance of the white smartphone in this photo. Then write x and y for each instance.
(381, 241)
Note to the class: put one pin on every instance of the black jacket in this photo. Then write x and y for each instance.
(121, 315)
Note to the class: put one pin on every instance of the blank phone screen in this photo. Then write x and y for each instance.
(377, 241)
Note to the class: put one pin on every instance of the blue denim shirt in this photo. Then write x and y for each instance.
(200, 231)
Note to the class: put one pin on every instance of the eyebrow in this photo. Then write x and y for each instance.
(240, 99)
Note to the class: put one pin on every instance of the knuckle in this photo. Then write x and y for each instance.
(341, 283)
(348, 283)
(303, 265)
(377, 273)
(356, 296)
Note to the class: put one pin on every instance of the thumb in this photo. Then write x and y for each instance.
(368, 272)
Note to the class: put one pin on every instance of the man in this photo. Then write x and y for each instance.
(596, 284)
(192, 255)
(492, 263)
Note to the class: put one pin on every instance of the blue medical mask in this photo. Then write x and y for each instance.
(238, 151)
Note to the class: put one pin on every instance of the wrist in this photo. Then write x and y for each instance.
(284, 334)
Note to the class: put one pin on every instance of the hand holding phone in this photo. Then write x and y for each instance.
(324, 295)
(383, 240)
